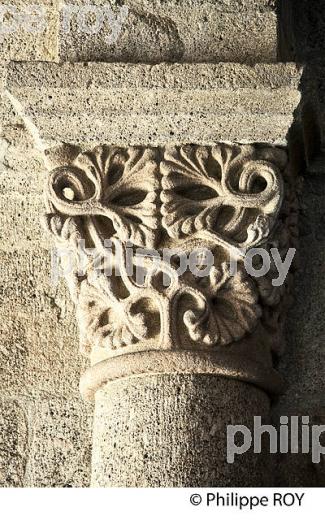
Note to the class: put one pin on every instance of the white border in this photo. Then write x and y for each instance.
(167, 504)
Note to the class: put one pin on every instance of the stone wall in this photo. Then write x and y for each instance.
(46, 428)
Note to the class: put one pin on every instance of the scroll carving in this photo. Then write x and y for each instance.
(226, 199)
(211, 191)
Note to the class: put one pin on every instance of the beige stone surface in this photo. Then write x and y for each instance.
(45, 442)
(154, 105)
(13, 443)
(22, 43)
(154, 31)
(39, 345)
(178, 419)
(45, 427)
(60, 452)
(177, 31)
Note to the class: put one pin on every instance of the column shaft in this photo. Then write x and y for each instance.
(171, 431)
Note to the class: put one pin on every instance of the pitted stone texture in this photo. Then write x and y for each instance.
(13, 443)
(155, 105)
(20, 221)
(306, 336)
(39, 362)
(60, 453)
(304, 360)
(3, 73)
(45, 442)
(298, 469)
(36, 311)
(21, 187)
(183, 31)
(22, 43)
(187, 31)
(39, 345)
(7, 114)
(181, 420)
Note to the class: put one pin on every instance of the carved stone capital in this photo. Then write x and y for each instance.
(134, 204)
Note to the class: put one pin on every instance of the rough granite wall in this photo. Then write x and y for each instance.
(45, 426)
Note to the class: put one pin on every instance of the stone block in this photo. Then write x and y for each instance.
(13, 443)
(150, 32)
(304, 361)
(29, 34)
(39, 340)
(172, 31)
(21, 222)
(60, 453)
(39, 345)
(154, 105)
(45, 442)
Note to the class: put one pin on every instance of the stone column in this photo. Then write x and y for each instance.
(170, 430)
(176, 354)
(164, 342)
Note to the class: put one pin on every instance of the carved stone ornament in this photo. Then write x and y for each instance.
(225, 199)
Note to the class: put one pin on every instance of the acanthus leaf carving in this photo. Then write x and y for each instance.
(226, 198)
(113, 184)
(225, 193)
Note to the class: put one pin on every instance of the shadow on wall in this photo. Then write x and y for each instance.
(302, 39)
